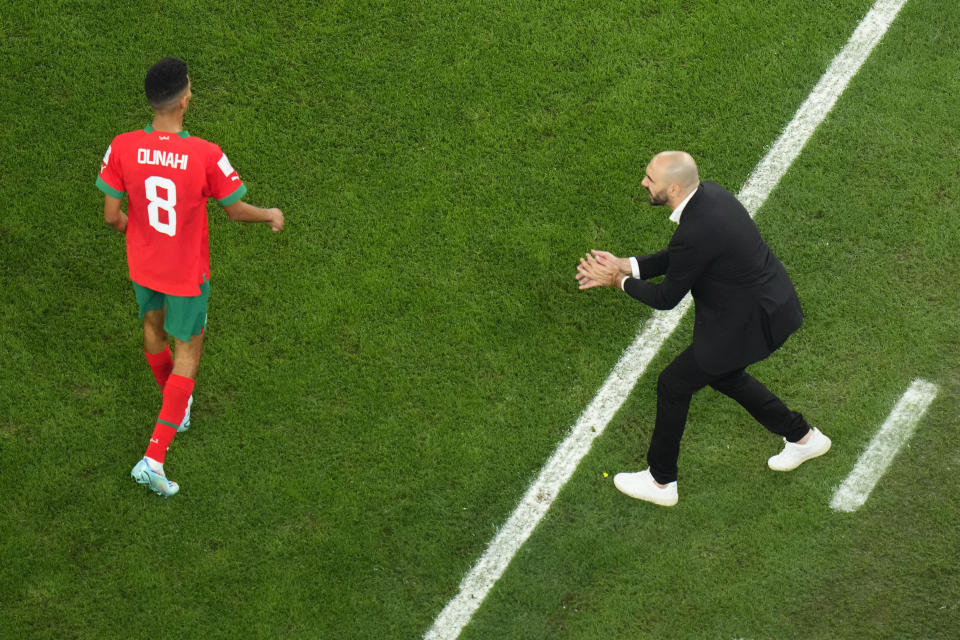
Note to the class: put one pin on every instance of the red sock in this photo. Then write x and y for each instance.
(161, 364)
(176, 393)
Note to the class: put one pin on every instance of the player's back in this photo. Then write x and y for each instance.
(168, 178)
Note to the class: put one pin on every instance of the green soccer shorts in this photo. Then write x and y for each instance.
(186, 316)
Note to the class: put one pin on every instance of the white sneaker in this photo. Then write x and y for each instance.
(793, 454)
(185, 423)
(640, 485)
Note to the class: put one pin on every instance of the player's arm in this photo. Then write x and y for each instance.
(241, 211)
(223, 179)
(113, 215)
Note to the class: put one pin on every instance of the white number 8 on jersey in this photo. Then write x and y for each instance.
(157, 203)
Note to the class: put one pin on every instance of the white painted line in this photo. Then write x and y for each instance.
(818, 104)
(556, 472)
(661, 324)
(897, 429)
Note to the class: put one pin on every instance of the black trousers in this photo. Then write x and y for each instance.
(675, 388)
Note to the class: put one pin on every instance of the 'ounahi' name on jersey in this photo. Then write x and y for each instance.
(162, 158)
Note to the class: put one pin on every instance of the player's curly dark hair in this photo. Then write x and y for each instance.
(165, 81)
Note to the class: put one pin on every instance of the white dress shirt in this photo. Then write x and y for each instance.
(675, 218)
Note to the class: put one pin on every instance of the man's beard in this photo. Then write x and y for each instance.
(657, 200)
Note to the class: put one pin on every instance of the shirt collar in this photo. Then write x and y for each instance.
(675, 216)
(182, 134)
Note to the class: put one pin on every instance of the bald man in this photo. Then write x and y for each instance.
(745, 309)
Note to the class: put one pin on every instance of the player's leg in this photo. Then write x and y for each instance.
(187, 327)
(187, 354)
(156, 347)
(157, 351)
(177, 394)
(156, 343)
(185, 321)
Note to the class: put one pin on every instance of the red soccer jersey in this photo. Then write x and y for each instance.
(169, 177)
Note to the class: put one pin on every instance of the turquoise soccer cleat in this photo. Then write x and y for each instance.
(185, 423)
(144, 474)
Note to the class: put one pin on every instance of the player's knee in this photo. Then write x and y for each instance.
(188, 354)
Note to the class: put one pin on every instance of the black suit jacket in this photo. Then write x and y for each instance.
(745, 304)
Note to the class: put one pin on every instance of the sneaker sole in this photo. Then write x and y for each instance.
(810, 457)
(146, 482)
(645, 498)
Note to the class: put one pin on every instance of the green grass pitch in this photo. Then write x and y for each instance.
(382, 380)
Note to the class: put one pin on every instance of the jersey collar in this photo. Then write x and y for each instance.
(183, 134)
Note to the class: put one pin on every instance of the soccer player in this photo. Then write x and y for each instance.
(168, 176)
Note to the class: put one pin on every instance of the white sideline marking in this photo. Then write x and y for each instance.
(897, 429)
(819, 103)
(654, 332)
(556, 472)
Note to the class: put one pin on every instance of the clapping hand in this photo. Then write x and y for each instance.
(601, 269)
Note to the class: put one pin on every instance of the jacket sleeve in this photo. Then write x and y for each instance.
(685, 264)
(654, 264)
